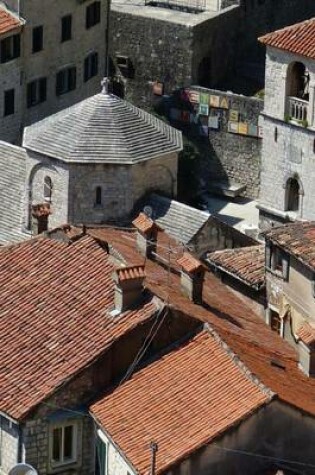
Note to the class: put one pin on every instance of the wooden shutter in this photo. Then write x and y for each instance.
(42, 89)
(72, 78)
(59, 83)
(16, 46)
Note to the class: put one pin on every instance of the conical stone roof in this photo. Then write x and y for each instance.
(102, 129)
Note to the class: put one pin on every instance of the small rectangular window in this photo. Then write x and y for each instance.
(36, 92)
(90, 66)
(66, 28)
(38, 39)
(65, 81)
(9, 102)
(93, 14)
(63, 444)
(10, 48)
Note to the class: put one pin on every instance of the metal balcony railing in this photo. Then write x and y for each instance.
(297, 109)
(194, 6)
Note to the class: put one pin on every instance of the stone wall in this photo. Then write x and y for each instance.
(37, 168)
(54, 56)
(213, 51)
(158, 51)
(37, 434)
(122, 186)
(224, 129)
(9, 445)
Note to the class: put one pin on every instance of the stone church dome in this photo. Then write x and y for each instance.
(102, 129)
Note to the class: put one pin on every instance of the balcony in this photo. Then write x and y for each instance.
(297, 110)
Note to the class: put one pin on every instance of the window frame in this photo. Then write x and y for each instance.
(48, 188)
(37, 88)
(7, 111)
(91, 66)
(93, 14)
(74, 445)
(14, 42)
(66, 28)
(68, 86)
(40, 38)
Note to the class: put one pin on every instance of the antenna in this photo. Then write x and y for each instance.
(23, 469)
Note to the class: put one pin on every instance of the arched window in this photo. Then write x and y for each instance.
(292, 195)
(47, 189)
(297, 92)
(98, 196)
(298, 79)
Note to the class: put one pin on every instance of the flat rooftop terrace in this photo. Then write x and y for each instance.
(172, 11)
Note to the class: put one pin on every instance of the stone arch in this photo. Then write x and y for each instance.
(293, 192)
(29, 189)
(297, 80)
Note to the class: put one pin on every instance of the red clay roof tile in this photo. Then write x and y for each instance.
(143, 223)
(53, 299)
(245, 263)
(130, 273)
(298, 38)
(168, 400)
(297, 239)
(306, 334)
(245, 333)
(8, 21)
(189, 263)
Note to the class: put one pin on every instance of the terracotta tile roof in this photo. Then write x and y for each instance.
(189, 263)
(267, 355)
(181, 401)
(297, 239)
(53, 316)
(306, 333)
(143, 223)
(8, 21)
(130, 273)
(298, 38)
(246, 264)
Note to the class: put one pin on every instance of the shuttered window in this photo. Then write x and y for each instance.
(93, 14)
(36, 92)
(9, 100)
(65, 81)
(90, 66)
(10, 48)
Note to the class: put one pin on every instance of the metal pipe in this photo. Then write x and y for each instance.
(154, 449)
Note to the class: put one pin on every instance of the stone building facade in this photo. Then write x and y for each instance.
(204, 46)
(60, 61)
(288, 151)
(225, 130)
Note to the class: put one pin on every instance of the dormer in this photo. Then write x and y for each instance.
(290, 73)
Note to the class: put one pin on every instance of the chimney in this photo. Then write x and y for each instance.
(306, 346)
(192, 276)
(128, 286)
(40, 215)
(147, 231)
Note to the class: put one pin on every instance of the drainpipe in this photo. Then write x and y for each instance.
(154, 449)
